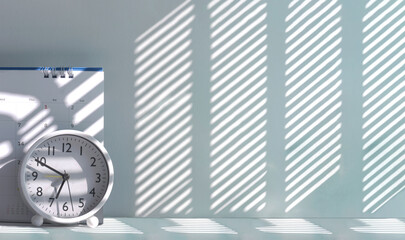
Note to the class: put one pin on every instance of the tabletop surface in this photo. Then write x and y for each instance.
(216, 228)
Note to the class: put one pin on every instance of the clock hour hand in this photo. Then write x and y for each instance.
(49, 167)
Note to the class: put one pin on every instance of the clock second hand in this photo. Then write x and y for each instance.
(70, 195)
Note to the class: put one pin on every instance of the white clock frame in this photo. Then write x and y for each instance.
(37, 220)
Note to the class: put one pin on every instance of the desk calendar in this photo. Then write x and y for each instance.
(34, 102)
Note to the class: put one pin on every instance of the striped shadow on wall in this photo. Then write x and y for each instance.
(163, 115)
(313, 97)
(383, 103)
(238, 105)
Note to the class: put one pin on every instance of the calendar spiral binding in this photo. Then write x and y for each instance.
(57, 72)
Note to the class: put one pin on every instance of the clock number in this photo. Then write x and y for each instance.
(65, 207)
(98, 177)
(94, 162)
(51, 200)
(39, 191)
(81, 201)
(41, 161)
(93, 192)
(35, 175)
(81, 150)
(68, 146)
(49, 150)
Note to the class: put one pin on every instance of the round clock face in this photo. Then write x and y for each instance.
(66, 176)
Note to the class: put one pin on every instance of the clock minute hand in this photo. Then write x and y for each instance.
(49, 167)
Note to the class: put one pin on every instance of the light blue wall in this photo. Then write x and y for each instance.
(117, 36)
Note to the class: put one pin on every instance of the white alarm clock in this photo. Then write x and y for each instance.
(66, 177)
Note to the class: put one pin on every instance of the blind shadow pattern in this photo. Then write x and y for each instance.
(293, 226)
(381, 226)
(199, 226)
(383, 102)
(85, 100)
(21, 230)
(238, 105)
(313, 97)
(163, 115)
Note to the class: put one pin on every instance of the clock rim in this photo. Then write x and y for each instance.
(67, 220)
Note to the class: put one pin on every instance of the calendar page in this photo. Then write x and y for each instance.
(34, 102)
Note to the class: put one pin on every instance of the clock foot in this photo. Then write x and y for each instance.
(92, 222)
(37, 220)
